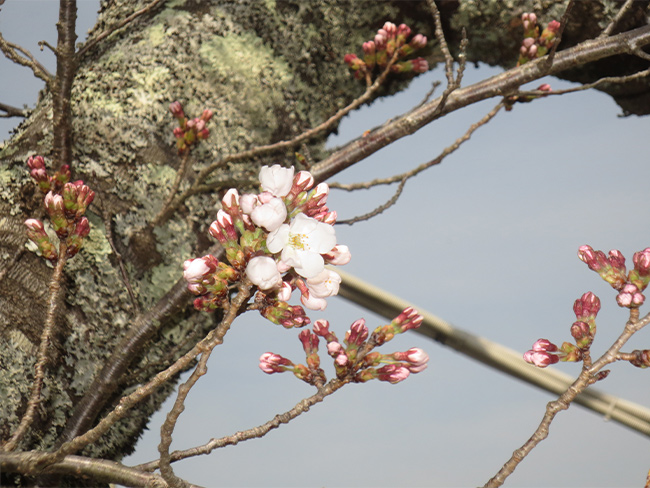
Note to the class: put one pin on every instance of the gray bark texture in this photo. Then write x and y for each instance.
(269, 70)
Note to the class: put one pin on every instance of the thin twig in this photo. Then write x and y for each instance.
(89, 44)
(586, 378)
(617, 18)
(410, 174)
(392, 201)
(259, 431)
(12, 111)
(588, 86)
(165, 215)
(53, 303)
(440, 36)
(168, 425)
(9, 49)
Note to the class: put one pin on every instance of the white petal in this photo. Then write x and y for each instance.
(277, 239)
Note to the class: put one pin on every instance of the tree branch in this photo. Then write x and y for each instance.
(53, 302)
(586, 378)
(66, 68)
(12, 111)
(498, 85)
(11, 50)
(259, 431)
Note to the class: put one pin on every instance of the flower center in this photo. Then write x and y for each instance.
(298, 241)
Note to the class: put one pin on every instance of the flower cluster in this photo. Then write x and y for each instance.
(612, 269)
(389, 42)
(630, 286)
(354, 359)
(189, 132)
(65, 204)
(281, 240)
(535, 45)
(583, 330)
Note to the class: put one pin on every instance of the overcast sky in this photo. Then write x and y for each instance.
(487, 240)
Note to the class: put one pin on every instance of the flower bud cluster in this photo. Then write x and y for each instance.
(65, 204)
(535, 45)
(189, 132)
(389, 42)
(45, 182)
(281, 239)
(612, 269)
(354, 359)
(583, 331)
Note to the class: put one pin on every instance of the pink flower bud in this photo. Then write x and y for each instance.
(630, 296)
(544, 87)
(321, 327)
(581, 333)
(641, 262)
(369, 47)
(177, 110)
(303, 181)
(35, 225)
(393, 373)
(358, 333)
(390, 29)
(206, 115)
(418, 42)
(540, 359)
(273, 363)
(420, 65)
(553, 26)
(586, 306)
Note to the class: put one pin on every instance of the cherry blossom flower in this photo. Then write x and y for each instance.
(263, 272)
(302, 242)
(276, 179)
(270, 215)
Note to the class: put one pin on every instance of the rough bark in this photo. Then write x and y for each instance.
(268, 70)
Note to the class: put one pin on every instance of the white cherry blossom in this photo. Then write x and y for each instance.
(276, 180)
(302, 242)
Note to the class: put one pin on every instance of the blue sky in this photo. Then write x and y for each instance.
(487, 240)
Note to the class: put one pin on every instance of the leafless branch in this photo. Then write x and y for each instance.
(588, 86)
(98, 469)
(66, 68)
(53, 302)
(392, 201)
(410, 174)
(90, 43)
(498, 85)
(440, 37)
(11, 51)
(586, 378)
(283, 418)
(11, 111)
(617, 18)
